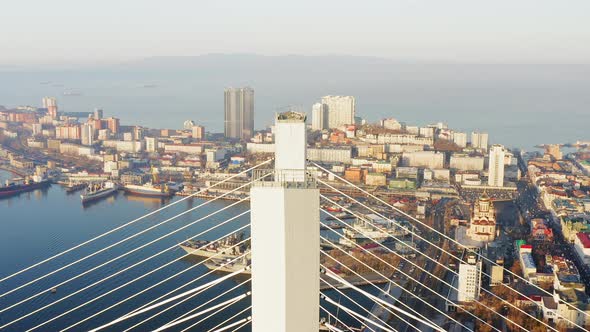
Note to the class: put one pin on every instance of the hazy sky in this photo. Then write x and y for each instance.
(79, 31)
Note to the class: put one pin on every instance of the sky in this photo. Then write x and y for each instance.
(467, 31)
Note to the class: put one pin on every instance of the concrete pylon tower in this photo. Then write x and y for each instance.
(286, 237)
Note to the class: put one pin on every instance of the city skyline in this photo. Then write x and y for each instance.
(386, 166)
(405, 167)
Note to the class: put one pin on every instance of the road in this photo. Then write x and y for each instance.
(531, 207)
(439, 212)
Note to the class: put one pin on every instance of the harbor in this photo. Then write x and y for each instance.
(33, 209)
(60, 221)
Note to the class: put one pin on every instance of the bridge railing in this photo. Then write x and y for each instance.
(290, 178)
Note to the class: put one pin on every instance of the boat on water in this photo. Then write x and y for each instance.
(332, 225)
(341, 215)
(96, 191)
(229, 265)
(72, 93)
(221, 255)
(148, 189)
(16, 186)
(372, 227)
(73, 187)
(332, 208)
(222, 249)
(174, 186)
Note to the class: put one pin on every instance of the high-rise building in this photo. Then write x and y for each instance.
(103, 134)
(554, 150)
(496, 166)
(319, 116)
(479, 141)
(68, 131)
(239, 113)
(87, 134)
(427, 131)
(460, 139)
(198, 132)
(113, 125)
(391, 124)
(96, 123)
(138, 133)
(37, 128)
(151, 144)
(98, 114)
(469, 277)
(341, 110)
(50, 103)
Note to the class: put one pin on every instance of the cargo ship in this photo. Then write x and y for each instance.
(148, 189)
(13, 188)
(96, 191)
(72, 188)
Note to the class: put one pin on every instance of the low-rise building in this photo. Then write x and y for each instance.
(429, 159)
(355, 174)
(375, 179)
(566, 275)
(260, 148)
(527, 263)
(406, 173)
(465, 162)
(184, 148)
(402, 184)
(582, 246)
(125, 146)
(331, 154)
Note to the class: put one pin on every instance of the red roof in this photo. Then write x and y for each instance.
(585, 239)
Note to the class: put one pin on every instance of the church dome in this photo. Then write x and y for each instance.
(484, 197)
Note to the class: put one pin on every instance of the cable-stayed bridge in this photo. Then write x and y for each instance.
(280, 290)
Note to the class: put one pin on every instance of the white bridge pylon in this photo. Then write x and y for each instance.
(285, 215)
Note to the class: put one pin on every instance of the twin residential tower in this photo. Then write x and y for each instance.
(239, 113)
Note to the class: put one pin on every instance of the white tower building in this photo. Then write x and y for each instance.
(285, 237)
(479, 141)
(319, 116)
(469, 278)
(50, 103)
(87, 134)
(341, 110)
(239, 113)
(460, 139)
(151, 144)
(496, 172)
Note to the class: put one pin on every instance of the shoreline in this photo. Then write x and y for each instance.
(11, 171)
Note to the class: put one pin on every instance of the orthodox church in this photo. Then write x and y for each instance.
(482, 226)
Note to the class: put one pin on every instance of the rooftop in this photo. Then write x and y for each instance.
(291, 116)
(584, 239)
(549, 303)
